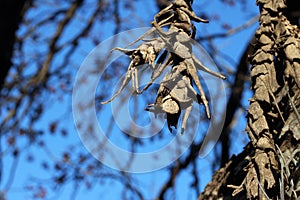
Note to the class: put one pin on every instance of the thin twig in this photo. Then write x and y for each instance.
(262, 189)
(242, 27)
(291, 100)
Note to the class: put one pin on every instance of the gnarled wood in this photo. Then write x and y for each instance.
(268, 166)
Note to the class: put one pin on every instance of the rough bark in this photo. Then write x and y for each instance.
(269, 166)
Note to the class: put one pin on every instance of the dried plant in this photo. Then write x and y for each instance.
(172, 48)
(263, 171)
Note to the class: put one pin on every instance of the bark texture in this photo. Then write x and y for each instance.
(268, 168)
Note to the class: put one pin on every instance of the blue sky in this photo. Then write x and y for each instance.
(60, 108)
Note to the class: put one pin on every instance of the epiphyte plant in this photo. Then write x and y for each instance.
(170, 49)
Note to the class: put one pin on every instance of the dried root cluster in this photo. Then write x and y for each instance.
(171, 50)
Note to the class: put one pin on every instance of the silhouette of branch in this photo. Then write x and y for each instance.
(230, 32)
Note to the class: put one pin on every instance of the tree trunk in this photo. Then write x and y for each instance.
(268, 168)
(10, 17)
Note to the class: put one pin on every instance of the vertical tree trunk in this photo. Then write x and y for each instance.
(268, 168)
(10, 17)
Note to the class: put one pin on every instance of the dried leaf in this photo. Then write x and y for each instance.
(292, 52)
(260, 56)
(261, 89)
(274, 5)
(264, 143)
(260, 125)
(265, 174)
(272, 77)
(251, 184)
(264, 39)
(295, 128)
(255, 110)
(297, 72)
(261, 94)
(258, 69)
